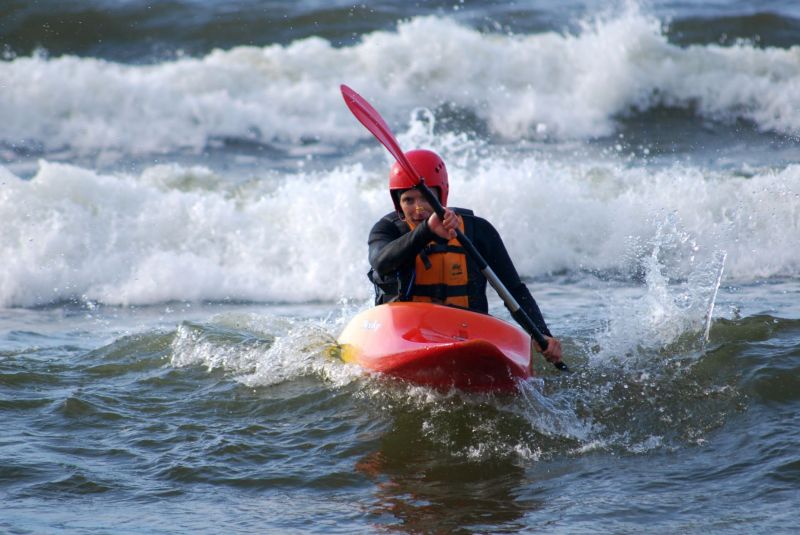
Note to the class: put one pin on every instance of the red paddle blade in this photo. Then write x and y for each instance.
(372, 120)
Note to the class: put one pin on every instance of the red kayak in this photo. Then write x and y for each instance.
(438, 346)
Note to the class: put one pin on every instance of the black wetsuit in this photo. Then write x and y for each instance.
(393, 248)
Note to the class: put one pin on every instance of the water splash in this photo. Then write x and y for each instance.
(712, 301)
(260, 351)
(680, 282)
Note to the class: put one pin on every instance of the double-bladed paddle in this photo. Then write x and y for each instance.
(372, 120)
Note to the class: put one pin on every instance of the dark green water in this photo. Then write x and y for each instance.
(239, 422)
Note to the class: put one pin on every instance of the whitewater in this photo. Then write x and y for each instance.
(185, 233)
(544, 85)
(136, 233)
(185, 202)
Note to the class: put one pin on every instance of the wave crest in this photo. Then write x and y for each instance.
(554, 85)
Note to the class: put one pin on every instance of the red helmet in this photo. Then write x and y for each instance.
(429, 165)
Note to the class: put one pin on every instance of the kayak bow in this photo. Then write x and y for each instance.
(438, 346)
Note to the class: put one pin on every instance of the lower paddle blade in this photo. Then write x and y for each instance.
(563, 367)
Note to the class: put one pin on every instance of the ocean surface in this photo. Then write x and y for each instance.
(184, 207)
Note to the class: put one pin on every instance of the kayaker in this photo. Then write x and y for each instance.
(415, 257)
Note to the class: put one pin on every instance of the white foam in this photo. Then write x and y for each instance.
(183, 233)
(261, 350)
(604, 216)
(550, 84)
(132, 240)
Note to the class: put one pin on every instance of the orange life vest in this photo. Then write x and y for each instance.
(441, 273)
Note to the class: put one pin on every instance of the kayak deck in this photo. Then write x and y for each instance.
(438, 346)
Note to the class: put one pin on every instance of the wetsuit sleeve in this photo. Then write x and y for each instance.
(390, 250)
(491, 246)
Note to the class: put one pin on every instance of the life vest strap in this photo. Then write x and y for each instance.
(440, 291)
(423, 255)
(433, 248)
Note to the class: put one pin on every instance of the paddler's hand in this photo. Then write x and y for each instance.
(444, 229)
(553, 351)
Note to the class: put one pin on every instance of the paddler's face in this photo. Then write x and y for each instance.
(414, 206)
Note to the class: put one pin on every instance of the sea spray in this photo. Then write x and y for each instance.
(552, 411)
(641, 327)
(712, 300)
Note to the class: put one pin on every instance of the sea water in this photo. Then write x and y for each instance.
(185, 202)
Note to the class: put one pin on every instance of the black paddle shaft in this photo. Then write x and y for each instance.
(516, 310)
